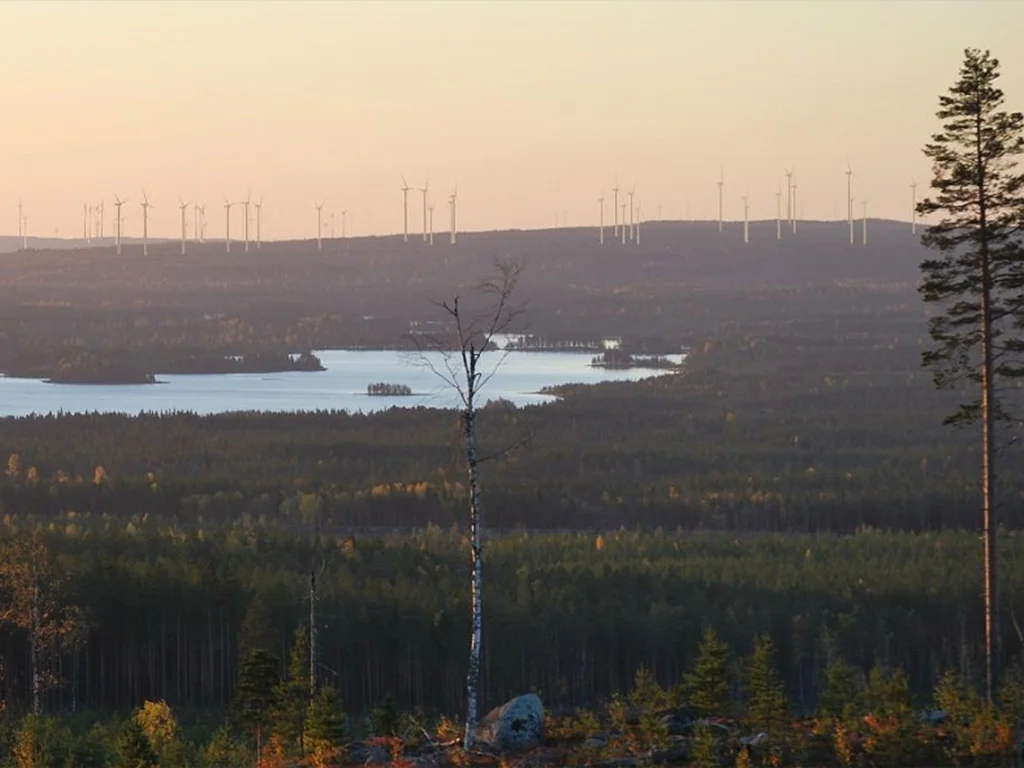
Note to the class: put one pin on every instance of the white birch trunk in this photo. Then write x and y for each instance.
(476, 577)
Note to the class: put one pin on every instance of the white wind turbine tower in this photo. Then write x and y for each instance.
(118, 202)
(746, 224)
(245, 224)
(146, 205)
(344, 215)
(259, 215)
(721, 183)
(849, 199)
(864, 224)
(99, 218)
(622, 227)
(615, 206)
(405, 210)
(789, 195)
(319, 229)
(453, 202)
(184, 207)
(913, 207)
(424, 189)
(631, 193)
(430, 209)
(795, 214)
(600, 202)
(638, 223)
(778, 212)
(227, 224)
(195, 222)
(202, 223)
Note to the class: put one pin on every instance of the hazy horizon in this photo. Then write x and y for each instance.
(531, 108)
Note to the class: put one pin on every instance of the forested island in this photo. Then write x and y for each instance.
(389, 390)
(619, 358)
(249, 362)
(87, 368)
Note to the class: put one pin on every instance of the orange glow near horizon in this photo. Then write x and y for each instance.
(531, 107)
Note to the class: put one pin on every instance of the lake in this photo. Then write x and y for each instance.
(341, 387)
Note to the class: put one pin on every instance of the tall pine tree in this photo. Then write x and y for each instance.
(976, 280)
(767, 708)
(292, 695)
(708, 685)
(254, 694)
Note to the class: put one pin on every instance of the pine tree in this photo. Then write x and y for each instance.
(841, 696)
(767, 708)
(704, 751)
(254, 694)
(133, 747)
(292, 695)
(222, 751)
(708, 685)
(326, 724)
(978, 276)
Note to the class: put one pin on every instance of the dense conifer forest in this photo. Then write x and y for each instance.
(794, 481)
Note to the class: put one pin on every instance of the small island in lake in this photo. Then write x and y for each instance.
(90, 368)
(252, 362)
(621, 359)
(389, 390)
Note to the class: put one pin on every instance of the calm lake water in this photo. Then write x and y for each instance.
(341, 387)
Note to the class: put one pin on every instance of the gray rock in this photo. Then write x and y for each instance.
(514, 726)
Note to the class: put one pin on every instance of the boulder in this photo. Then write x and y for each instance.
(516, 725)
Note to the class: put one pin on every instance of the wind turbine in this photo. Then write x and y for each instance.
(430, 208)
(453, 201)
(195, 222)
(344, 214)
(118, 202)
(746, 223)
(259, 234)
(638, 223)
(631, 193)
(146, 205)
(102, 207)
(622, 227)
(245, 227)
(424, 189)
(227, 224)
(795, 214)
(913, 207)
(600, 202)
(789, 194)
(183, 206)
(778, 210)
(405, 210)
(319, 230)
(615, 206)
(849, 198)
(721, 183)
(864, 224)
(202, 223)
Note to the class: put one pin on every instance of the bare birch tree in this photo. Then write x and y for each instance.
(31, 599)
(460, 368)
